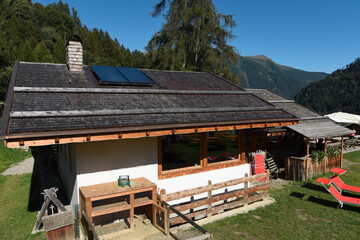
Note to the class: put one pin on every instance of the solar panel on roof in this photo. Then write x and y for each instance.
(134, 75)
(108, 74)
(120, 75)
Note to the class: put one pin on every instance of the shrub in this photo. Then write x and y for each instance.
(333, 152)
(317, 156)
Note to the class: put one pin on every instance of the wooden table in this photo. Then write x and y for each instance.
(117, 198)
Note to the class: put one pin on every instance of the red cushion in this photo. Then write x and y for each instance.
(323, 180)
(340, 184)
(338, 171)
(342, 198)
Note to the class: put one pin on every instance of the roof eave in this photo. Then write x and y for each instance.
(85, 135)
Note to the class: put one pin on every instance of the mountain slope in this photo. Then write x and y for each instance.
(262, 72)
(339, 91)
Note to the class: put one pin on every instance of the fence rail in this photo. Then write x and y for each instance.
(216, 203)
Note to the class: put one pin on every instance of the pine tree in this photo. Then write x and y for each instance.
(27, 52)
(60, 51)
(42, 53)
(194, 37)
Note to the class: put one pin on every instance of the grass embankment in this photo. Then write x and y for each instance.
(303, 210)
(16, 222)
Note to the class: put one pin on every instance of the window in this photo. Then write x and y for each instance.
(180, 151)
(192, 153)
(222, 146)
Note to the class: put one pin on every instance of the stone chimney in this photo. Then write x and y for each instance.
(74, 56)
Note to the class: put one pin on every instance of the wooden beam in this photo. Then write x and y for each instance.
(49, 140)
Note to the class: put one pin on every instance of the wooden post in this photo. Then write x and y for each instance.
(167, 230)
(326, 145)
(203, 147)
(132, 225)
(307, 157)
(209, 212)
(242, 146)
(342, 150)
(246, 196)
(159, 142)
(267, 181)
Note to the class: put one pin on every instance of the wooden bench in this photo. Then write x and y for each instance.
(350, 143)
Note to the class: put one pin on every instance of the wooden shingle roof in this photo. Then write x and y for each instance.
(311, 125)
(47, 98)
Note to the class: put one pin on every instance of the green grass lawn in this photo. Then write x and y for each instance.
(16, 222)
(10, 156)
(303, 210)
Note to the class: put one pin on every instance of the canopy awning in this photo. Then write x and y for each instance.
(342, 117)
(320, 129)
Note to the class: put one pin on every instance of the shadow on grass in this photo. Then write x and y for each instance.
(314, 187)
(333, 204)
(297, 195)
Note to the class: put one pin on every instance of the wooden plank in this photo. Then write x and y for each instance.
(106, 189)
(90, 225)
(109, 208)
(209, 199)
(40, 215)
(132, 205)
(246, 196)
(58, 220)
(230, 205)
(220, 197)
(64, 233)
(198, 190)
(198, 169)
(51, 194)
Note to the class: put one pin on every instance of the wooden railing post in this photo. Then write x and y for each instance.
(209, 212)
(267, 181)
(246, 196)
(342, 151)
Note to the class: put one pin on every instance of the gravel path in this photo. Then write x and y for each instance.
(25, 166)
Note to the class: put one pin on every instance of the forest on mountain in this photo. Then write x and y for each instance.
(262, 72)
(339, 91)
(36, 33)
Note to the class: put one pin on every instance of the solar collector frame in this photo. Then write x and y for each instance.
(108, 75)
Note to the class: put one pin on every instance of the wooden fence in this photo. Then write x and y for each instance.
(301, 169)
(216, 203)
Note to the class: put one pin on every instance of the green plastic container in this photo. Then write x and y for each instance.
(124, 181)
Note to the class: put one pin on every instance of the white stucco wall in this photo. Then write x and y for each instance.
(101, 162)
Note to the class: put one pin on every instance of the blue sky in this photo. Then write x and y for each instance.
(312, 35)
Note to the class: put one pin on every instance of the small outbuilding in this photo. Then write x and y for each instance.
(309, 148)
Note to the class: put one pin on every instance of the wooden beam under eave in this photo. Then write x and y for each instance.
(129, 135)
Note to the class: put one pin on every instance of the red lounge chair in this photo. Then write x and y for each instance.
(339, 184)
(338, 171)
(341, 199)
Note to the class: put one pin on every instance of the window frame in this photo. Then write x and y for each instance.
(204, 165)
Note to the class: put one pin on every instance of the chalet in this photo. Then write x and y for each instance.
(176, 129)
(292, 145)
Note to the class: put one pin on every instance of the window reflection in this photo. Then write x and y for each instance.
(222, 146)
(179, 151)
